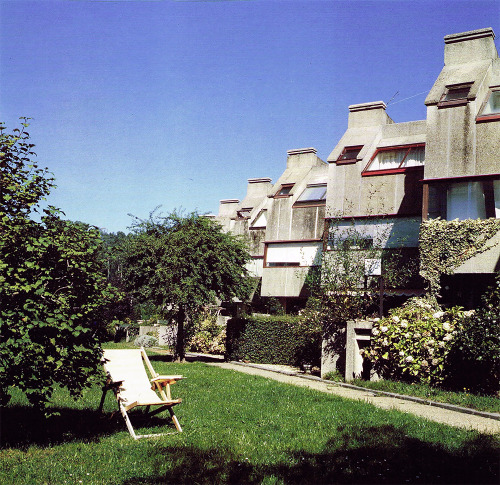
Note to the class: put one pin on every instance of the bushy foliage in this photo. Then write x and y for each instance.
(209, 336)
(413, 343)
(146, 341)
(51, 286)
(271, 340)
(474, 359)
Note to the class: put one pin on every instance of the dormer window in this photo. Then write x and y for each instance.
(395, 159)
(349, 155)
(243, 213)
(491, 110)
(260, 221)
(313, 193)
(284, 190)
(455, 95)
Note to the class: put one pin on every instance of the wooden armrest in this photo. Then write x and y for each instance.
(168, 379)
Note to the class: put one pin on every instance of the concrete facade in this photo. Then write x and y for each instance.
(462, 163)
(385, 176)
(284, 223)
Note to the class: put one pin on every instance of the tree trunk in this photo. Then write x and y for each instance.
(180, 354)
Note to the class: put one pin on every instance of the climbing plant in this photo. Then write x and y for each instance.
(445, 245)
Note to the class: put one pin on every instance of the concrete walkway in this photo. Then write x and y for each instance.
(438, 412)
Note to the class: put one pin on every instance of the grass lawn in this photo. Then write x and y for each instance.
(239, 429)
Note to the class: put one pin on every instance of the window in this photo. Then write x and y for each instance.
(350, 242)
(260, 221)
(313, 193)
(243, 213)
(465, 201)
(474, 199)
(293, 253)
(284, 190)
(349, 155)
(374, 232)
(492, 108)
(396, 160)
(455, 95)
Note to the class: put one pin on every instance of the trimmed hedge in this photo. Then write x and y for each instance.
(269, 340)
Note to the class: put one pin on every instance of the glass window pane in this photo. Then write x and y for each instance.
(465, 201)
(350, 153)
(415, 158)
(313, 193)
(493, 104)
(496, 186)
(285, 190)
(457, 93)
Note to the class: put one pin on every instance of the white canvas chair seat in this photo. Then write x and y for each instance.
(128, 379)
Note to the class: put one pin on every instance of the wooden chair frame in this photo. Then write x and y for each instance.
(162, 399)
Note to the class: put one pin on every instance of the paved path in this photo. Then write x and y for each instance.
(450, 417)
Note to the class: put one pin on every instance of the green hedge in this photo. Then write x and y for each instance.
(273, 339)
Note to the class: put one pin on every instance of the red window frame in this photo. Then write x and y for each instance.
(492, 116)
(460, 101)
(346, 161)
(283, 196)
(388, 171)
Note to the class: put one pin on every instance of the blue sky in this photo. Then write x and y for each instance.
(137, 104)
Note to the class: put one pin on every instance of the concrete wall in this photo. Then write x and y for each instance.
(460, 146)
(350, 194)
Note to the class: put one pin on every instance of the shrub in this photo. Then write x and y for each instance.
(146, 341)
(474, 358)
(210, 337)
(271, 340)
(413, 343)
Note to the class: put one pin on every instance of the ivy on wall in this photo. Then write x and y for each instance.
(445, 245)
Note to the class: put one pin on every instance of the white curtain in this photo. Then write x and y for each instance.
(303, 254)
(415, 158)
(465, 200)
(389, 159)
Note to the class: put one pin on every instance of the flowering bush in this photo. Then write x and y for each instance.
(412, 344)
(210, 337)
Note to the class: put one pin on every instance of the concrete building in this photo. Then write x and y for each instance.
(284, 223)
(462, 166)
(384, 178)
(374, 185)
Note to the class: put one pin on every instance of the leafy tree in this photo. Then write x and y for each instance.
(50, 283)
(183, 263)
(112, 257)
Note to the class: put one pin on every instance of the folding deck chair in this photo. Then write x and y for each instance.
(128, 379)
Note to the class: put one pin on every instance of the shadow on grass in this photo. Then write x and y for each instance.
(165, 357)
(368, 455)
(22, 426)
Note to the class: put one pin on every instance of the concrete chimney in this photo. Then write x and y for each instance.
(257, 189)
(471, 46)
(227, 207)
(368, 114)
(302, 157)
